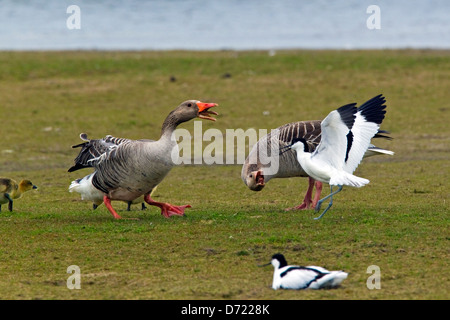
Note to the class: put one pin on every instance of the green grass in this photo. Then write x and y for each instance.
(399, 221)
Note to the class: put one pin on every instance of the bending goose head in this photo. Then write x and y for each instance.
(254, 180)
(254, 176)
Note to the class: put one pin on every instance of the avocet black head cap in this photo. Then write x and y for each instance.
(296, 144)
(299, 144)
(279, 259)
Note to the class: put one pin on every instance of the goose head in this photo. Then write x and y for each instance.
(191, 109)
(255, 180)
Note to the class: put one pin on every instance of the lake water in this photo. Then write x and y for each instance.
(224, 24)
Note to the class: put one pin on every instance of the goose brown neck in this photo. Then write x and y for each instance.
(170, 124)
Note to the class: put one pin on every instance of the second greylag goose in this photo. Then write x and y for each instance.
(11, 190)
(133, 168)
(255, 172)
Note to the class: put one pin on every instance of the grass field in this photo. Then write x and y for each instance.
(399, 222)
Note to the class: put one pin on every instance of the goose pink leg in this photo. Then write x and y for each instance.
(307, 201)
(167, 210)
(108, 205)
(318, 185)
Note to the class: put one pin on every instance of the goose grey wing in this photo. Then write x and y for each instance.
(308, 130)
(123, 164)
(280, 137)
(91, 149)
(266, 152)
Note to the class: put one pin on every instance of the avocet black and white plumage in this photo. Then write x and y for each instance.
(346, 135)
(299, 277)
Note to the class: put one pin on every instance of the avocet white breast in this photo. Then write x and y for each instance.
(346, 135)
(299, 277)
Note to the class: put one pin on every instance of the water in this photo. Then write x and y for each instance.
(224, 24)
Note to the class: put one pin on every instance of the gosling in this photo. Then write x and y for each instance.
(10, 190)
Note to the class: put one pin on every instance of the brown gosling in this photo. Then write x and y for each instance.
(10, 190)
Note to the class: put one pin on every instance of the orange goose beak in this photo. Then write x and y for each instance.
(204, 112)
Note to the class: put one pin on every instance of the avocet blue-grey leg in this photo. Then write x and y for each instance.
(319, 203)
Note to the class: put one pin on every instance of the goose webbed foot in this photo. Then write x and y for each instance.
(167, 209)
(307, 201)
(305, 205)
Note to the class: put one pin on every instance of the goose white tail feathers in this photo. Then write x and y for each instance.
(87, 190)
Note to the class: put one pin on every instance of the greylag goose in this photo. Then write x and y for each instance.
(129, 169)
(298, 277)
(11, 190)
(346, 135)
(255, 172)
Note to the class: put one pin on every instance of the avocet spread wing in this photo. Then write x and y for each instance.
(346, 133)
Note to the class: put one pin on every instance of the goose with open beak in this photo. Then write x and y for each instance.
(128, 169)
